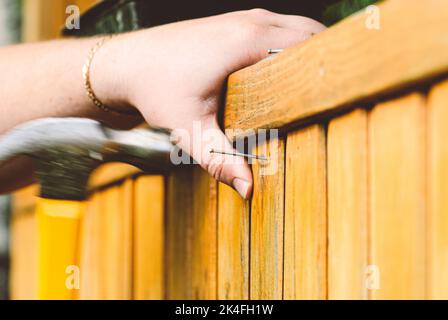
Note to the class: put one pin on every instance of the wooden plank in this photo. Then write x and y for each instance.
(397, 197)
(23, 249)
(178, 234)
(438, 189)
(345, 64)
(266, 251)
(43, 19)
(149, 233)
(305, 215)
(90, 250)
(24, 200)
(117, 213)
(204, 237)
(111, 173)
(347, 206)
(116, 243)
(23, 270)
(233, 245)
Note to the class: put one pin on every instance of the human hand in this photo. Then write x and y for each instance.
(174, 74)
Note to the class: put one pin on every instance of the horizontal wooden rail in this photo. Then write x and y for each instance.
(345, 64)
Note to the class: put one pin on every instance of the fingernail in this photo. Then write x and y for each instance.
(241, 186)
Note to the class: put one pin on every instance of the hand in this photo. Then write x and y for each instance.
(174, 74)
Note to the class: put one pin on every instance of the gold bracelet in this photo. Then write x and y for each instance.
(88, 85)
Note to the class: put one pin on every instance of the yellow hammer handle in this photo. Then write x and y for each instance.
(58, 230)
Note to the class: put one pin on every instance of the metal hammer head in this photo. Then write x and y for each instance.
(67, 150)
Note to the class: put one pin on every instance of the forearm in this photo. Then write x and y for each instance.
(45, 80)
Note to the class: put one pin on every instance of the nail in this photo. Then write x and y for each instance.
(274, 51)
(239, 154)
(241, 186)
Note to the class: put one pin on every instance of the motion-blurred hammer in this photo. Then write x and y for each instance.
(65, 151)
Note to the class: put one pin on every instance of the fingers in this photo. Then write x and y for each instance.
(268, 30)
(288, 21)
(233, 171)
(270, 38)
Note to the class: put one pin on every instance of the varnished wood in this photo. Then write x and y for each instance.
(233, 244)
(24, 200)
(344, 64)
(45, 19)
(116, 250)
(438, 191)
(266, 248)
(111, 241)
(111, 173)
(178, 234)
(305, 215)
(398, 197)
(148, 238)
(90, 250)
(204, 235)
(23, 268)
(347, 206)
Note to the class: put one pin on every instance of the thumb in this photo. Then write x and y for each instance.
(231, 170)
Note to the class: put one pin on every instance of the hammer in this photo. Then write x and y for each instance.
(64, 152)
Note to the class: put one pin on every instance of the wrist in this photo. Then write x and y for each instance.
(108, 74)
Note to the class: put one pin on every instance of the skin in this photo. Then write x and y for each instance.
(173, 74)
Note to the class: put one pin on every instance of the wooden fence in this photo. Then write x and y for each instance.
(355, 210)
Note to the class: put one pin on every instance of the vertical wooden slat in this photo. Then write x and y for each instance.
(305, 215)
(23, 283)
(23, 269)
(397, 197)
(438, 191)
(90, 251)
(39, 24)
(149, 238)
(233, 244)
(45, 19)
(266, 251)
(114, 268)
(204, 238)
(116, 244)
(347, 206)
(178, 234)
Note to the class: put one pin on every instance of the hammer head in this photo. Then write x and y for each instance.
(66, 150)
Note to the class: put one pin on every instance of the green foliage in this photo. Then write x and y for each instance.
(337, 10)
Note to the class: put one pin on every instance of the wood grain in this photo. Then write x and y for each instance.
(90, 250)
(233, 245)
(178, 234)
(111, 173)
(149, 234)
(204, 235)
(345, 64)
(267, 210)
(305, 215)
(25, 199)
(347, 206)
(438, 190)
(116, 242)
(44, 19)
(398, 197)
(23, 268)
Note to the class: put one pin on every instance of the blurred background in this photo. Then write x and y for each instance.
(26, 21)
